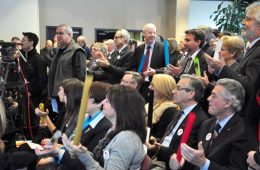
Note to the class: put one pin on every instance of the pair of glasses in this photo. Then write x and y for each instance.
(59, 33)
(116, 37)
(178, 88)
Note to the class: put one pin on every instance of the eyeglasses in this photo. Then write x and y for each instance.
(116, 37)
(178, 88)
(127, 82)
(59, 33)
(247, 18)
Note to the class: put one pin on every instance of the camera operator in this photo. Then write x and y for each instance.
(33, 70)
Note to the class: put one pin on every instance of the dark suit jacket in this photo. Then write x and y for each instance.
(166, 152)
(228, 150)
(157, 60)
(209, 49)
(202, 61)
(90, 138)
(252, 119)
(247, 72)
(121, 63)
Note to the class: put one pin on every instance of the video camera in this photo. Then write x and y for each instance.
(7, 51)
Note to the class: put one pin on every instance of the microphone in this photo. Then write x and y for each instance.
(24, 59)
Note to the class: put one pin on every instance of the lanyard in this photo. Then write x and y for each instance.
(89, 119)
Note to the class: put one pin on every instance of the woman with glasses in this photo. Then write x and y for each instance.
(124, 107)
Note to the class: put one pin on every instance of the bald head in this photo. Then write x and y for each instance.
(48, 44)
(81, 40)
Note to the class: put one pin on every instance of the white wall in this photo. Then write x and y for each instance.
(17, 16)
(200, 11)
(91, 14)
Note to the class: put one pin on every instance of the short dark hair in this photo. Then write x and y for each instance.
(32, 37)
(98, 91)
(129, 108)
(198, 35)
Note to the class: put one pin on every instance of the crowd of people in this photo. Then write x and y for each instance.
(200, 111)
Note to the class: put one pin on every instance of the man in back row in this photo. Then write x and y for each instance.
(155, 61)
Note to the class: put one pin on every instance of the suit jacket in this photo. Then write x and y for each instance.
(90, 138)
(247, 72)
(209, 49)
(166, 152)
(252, 118)
(202, 61)
(121, 63)
(228, 150)
(157, 58)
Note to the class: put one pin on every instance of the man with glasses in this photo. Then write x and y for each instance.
(221, 139)
(189, 91)
(249, 66)
(33, 70)
(132, 79)
(122, 62)
(69, 62)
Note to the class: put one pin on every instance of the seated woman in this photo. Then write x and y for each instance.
(94, 128)
(164, 108)
(123, 146)
(70, 92)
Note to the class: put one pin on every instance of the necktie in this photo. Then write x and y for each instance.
(216, 130)
(188, 64)
(147, 58)
(246, 53)
(174, 122)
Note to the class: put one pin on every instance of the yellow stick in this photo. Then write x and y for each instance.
(83, 108)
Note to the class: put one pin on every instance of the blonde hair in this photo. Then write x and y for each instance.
(234, 44)
(102, 47)
(164, 84)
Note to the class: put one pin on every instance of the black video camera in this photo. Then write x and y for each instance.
(7, 51)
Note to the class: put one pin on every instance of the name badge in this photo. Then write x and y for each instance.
(106, 154)
(180, 132)
(208, 137)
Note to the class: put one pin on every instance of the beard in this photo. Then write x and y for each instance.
(248, 34)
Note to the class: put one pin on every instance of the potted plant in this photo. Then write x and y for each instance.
(229, 18)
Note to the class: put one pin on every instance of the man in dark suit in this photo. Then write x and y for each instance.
(189, 91)
(249, 67)
(193, 42)
(122, 62)
(156, 60)
(222, 138)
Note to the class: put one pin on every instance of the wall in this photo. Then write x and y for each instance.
(102, 14)
(18, 16)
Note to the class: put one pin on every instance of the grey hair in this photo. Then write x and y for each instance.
(254, 9)
(68, 29)
(147, 26)
(234, 91)
(101, 47)
(2, 118)
(196, 85)
(124, 33)
(110, 41)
